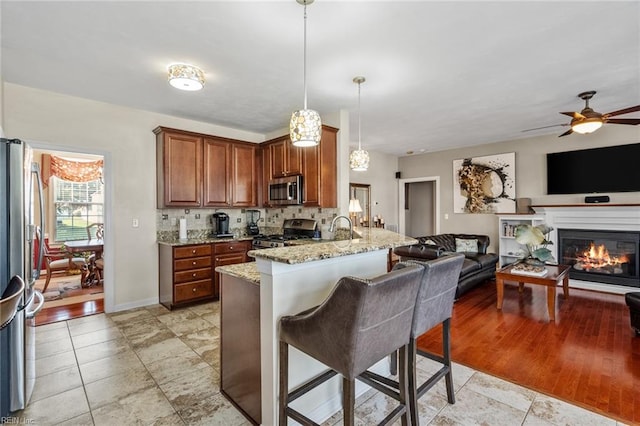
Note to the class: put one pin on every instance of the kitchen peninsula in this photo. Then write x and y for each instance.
(285, 281)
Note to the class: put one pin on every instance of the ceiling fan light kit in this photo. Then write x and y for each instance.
(186, 77)
(305, 127)
(588, 120)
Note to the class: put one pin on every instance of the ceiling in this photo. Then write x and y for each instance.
(439, 75)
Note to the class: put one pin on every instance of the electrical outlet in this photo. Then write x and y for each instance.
(238, 220)
(174, 221)
(165, 217)
(446, 216)
(197, 215)
(135, 223)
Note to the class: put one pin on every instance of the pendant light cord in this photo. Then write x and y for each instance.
(304, 79)
(359, 121)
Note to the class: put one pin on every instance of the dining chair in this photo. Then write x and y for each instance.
(57, 260)
(95, 230)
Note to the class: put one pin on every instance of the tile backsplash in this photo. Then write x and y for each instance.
(270, 222)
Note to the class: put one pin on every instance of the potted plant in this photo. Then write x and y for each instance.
(535, 239)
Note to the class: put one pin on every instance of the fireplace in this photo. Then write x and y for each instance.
(610, 257)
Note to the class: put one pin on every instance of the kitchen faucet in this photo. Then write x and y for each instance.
(333, 225)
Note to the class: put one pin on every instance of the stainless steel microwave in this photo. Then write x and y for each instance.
(285, 191)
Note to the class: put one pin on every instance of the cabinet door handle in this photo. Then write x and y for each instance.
(194, 274)
(193, 251)
(194, 290)
(230, 248)
(194, 262)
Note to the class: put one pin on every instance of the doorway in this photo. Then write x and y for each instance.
(419, 206)
(74, 199)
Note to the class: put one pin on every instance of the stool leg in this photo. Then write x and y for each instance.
(402, 383)
(446, 349)
(284, 384)
(412, 382)
(348, 401)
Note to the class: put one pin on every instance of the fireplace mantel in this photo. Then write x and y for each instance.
(605, 216)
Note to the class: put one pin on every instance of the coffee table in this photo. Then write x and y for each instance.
(555, 274)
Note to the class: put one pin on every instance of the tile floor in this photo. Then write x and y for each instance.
(153, 366)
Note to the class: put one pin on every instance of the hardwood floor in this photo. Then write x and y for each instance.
(589, 357)
(65, 312)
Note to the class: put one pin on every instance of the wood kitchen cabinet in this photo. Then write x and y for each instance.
(186, 274)
(319, 169)
(196, 170)
(228, 253)
(286, 158)
(179, 169)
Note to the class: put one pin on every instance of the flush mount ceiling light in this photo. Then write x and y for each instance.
(305, 127)
(186, 77)
(359, 159)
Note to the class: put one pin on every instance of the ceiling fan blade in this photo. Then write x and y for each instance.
(631, 121)
(544, 127)
(568, 132)
(573, 114)
(624, 111)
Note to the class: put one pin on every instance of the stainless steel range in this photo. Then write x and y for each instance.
(292, 229)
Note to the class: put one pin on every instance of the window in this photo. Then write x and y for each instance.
(77, 204)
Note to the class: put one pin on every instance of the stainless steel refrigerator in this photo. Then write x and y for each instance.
(19, 181)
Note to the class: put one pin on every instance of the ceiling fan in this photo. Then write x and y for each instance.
(588, 120)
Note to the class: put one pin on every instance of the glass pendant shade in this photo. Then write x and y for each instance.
(186, 77)
(354, 206)
(305, 128)
(588, 125)
(359, 160)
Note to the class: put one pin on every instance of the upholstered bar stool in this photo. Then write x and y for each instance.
(433, 306)
(360, 323)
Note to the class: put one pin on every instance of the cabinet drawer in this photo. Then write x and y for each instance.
(193, 290)
(231, 247)
(191, 251)
(193, 263)
(192, 275)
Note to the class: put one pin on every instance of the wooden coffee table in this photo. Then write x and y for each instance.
(555, 274)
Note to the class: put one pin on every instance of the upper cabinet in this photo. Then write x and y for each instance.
(179, 169)
(204, 171)
(286, 159)
(319, 169)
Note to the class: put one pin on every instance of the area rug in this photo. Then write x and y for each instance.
(68, 287)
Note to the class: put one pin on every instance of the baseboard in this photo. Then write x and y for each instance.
(136, 304)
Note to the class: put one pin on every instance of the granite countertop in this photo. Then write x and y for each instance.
(247, 271)
(174, 241)
(371, 239)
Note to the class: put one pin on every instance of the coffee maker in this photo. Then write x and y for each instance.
(220, 222)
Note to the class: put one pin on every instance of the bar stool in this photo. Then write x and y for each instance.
(360, 323)
(433, 306)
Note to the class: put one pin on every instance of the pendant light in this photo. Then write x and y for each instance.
(305, 127)
(359, 159)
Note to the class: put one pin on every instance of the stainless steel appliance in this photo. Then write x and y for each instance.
(285, 191)
(18, 176)
(292, 229)
(220, 222)
(253, 216)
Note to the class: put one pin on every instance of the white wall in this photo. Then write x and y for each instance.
(530, 173)
(124, 136)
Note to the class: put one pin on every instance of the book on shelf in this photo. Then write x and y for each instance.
(526, 269)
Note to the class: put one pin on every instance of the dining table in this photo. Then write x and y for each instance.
(90, 275)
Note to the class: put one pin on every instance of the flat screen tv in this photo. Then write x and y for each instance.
(597, 170)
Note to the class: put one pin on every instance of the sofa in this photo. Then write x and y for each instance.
(478, 265)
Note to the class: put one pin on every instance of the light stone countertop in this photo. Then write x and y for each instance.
(371, 239)
(204, 240)
(247, 271)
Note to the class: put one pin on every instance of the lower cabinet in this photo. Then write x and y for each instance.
(228, 253)
(186, 274)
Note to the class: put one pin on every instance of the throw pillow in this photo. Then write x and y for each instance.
(463, 245)
(431, 242)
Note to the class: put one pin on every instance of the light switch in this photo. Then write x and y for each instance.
(135, 223)
(446, 216)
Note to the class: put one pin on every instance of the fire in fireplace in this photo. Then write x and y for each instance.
(601, 256)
